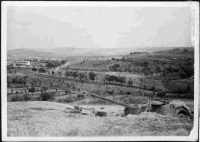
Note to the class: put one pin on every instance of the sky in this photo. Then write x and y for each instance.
(38, 27)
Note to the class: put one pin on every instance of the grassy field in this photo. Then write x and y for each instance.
(53, 119)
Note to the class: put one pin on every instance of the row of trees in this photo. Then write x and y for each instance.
(20, 81)
(82, 76)
(41, 70)
(75, 74)
(56, 63)
(114, 79)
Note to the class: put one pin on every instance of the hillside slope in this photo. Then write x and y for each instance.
(51, 119)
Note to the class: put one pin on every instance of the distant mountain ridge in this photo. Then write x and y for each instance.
(62, 52)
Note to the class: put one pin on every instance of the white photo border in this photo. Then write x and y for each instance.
(195, 38)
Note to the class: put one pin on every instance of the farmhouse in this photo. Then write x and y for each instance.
(23, 63)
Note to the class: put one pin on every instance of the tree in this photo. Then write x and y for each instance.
(92, 76)
(63, 62)
(128, 93)
(75, 74)
(32, 89)
(52, 72)
(161, 94)
(26, 97)
(51, 65)
(34, 69)
(145, 64)
(13, 81)
(153, 88)
(115, 67)
(121, 93)
(82, 76)
(121, 80)
(46, 96)
(108, 78)
(42, 70)
(44, 88)
(67, 74)
(130, 82)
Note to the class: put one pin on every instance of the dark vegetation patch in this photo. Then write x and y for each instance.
(39, 108)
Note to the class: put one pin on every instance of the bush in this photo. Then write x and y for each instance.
(34, 69)
(128, 92)
(52, 65)
(31, 89)
(65, 100)
(26, 97)
(92, 76)
(52, 72)
(42, 70)
(16, 98)
(161, 94)
(46, 96)
(153, 88)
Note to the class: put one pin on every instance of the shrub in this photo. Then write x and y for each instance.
(16, 98)
(46, 96)
(153, 88)
(52, 65)
(42, 70)
(31, 89)
(161, 93)
(52, 72)
(26, 97)
(34, 69)
(128, 92)
(92, 76)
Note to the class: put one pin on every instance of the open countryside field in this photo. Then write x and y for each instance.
(39, 100)
(40, 118)
(99, 71)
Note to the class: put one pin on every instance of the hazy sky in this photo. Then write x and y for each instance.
(98, 27)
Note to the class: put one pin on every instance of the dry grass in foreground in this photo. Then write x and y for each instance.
(51, 119)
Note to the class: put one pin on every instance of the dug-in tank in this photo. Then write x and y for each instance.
(164, 107)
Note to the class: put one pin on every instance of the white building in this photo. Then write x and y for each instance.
(23, 63)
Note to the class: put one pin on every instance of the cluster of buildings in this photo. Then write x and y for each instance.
(23, 64)
(27, 63)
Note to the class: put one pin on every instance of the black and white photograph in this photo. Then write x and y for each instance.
(105, 71)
